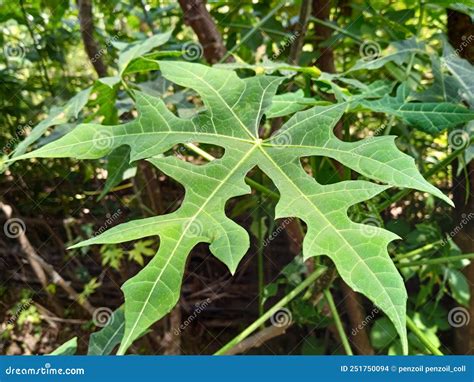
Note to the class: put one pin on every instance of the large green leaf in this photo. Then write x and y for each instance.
(234, 109)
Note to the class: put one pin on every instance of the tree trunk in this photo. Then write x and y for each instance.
(198, 18)
(325, 61)
(460, 27)
(87, 33)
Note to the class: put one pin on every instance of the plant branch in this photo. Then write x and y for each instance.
(421, 336)
(261, 320)
(337, 321)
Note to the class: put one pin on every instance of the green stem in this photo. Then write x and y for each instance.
(260, 260)
(336, 28)
(440, 260)
(337, 321)
(253, 30)
(417, 251)
(418, 32)
(422, 337)
(261, 320)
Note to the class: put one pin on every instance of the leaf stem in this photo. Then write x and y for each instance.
(439, 260)
(261, 320)
(337, 321)
(253, 30)
(417, 251)
(422, 337)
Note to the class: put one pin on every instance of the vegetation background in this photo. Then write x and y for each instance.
(54, 50)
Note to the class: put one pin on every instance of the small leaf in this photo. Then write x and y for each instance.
(67, 348)
(139, 48)
(57, 115)
(105, 340)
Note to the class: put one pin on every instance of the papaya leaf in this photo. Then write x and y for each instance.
(398, 52)
(234, 109)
